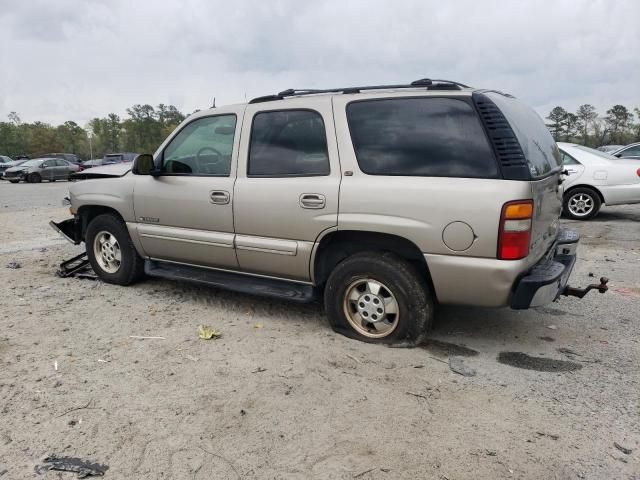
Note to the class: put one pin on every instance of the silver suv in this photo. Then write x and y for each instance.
(384, 200)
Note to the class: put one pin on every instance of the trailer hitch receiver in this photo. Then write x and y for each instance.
(581, 292)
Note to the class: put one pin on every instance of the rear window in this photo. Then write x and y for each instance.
(537, 144)
(428, 136)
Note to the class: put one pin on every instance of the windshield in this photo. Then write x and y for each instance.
(596, 152)
(33, 163)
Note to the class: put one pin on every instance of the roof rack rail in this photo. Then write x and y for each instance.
(423, 82)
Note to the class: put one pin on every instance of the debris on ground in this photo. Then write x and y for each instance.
(552, 327)
(257, 325)
(625, 450)
(456, 364)
(14, 265)
(552, 436)
(205, 332)
(78, 267)
(568, 351)
(259, 370)
(83, 468)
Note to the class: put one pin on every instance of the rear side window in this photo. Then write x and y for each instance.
(537, 144)
(61, 163)
(288, 143)
(440, 137)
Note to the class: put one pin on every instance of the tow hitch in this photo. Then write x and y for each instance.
(581, 292)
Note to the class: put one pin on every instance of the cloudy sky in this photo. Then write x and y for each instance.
(77, 59)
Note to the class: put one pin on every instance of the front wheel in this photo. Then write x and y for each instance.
(14, 181)
(111, 251)
(379, 298)
(581, 203)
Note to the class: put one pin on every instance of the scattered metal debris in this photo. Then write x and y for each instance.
(14, 265)
(205, 332)
(539, 364)
(625, 450)
(77, 266)
(456, 364)
(83, 468)
(547, 339)
(552, 327)
(259, 370)
(552, 436)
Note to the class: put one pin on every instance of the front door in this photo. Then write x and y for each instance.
(48, 171)
(286, 193)
(185, 214)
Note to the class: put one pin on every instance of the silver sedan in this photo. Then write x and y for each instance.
(36, 170)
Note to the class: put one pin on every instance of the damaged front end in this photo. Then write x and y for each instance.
(70, 229)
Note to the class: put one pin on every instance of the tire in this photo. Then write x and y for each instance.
(34, 178)
(581, 203)
(14, 181)
(104, 229)
(52, 180)
(347, 301)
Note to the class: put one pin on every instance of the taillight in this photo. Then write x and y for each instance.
(638, 172)
(515, 230)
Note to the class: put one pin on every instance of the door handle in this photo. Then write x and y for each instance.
(312, 200)
(219, 197)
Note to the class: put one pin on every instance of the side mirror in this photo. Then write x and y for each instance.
(143, 165)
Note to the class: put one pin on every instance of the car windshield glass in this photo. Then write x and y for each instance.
(32, 163)
(596, 152)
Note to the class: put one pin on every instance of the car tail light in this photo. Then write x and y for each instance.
(638, 172)
(515, 230)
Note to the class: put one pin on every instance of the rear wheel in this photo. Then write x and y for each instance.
(14, 181)
(34, 178)
(111, 251)
(379, 298)
(582, 203)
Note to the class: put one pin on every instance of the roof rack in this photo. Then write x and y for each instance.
(423, 82)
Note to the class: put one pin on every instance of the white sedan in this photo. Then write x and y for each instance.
(594, 178)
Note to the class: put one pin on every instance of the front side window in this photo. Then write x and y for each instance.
(204, 147)
(440, 137)
(49, 163)
(288, 143)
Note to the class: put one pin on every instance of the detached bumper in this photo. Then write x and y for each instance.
(70, 229)
(547, 280)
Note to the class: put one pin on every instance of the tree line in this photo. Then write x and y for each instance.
(587, 127)
(142, 131)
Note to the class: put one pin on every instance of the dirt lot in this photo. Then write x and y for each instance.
(279, 395)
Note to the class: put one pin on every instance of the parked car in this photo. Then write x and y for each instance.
(69, 157)
(34, 171)
(609, 148)
(382, 200)
(5, 166)
(4, 159)
(23, 157)
(110, 159)
(595, 178)
(628, 151)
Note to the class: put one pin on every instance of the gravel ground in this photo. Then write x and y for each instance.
(280, 396)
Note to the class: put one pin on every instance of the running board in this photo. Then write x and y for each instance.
(267, 287)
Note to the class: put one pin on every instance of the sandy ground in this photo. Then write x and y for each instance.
(292, 399)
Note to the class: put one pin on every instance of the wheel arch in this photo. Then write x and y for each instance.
(590, 187)
(336, 245)
(87, 213)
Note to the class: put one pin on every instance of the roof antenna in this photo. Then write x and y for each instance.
(214, 103)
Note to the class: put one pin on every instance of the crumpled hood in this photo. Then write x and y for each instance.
(106, 171)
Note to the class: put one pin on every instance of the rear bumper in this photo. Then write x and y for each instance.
(547, 280)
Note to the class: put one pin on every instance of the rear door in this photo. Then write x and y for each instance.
(286, 192)
(48, 171)
(543, 158)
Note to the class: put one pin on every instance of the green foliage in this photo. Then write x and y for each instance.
(143, 131)
(588, 128)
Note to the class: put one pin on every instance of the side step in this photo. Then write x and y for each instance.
(237, 282)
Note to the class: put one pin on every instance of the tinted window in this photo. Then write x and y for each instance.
(203, 147)
(536, 142)
(439, 137)
(288, 143)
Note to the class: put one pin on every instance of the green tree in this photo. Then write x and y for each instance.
(618, 120)
(557, 117)
(587, 115)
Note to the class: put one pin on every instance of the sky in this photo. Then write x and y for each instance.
(77, 59)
